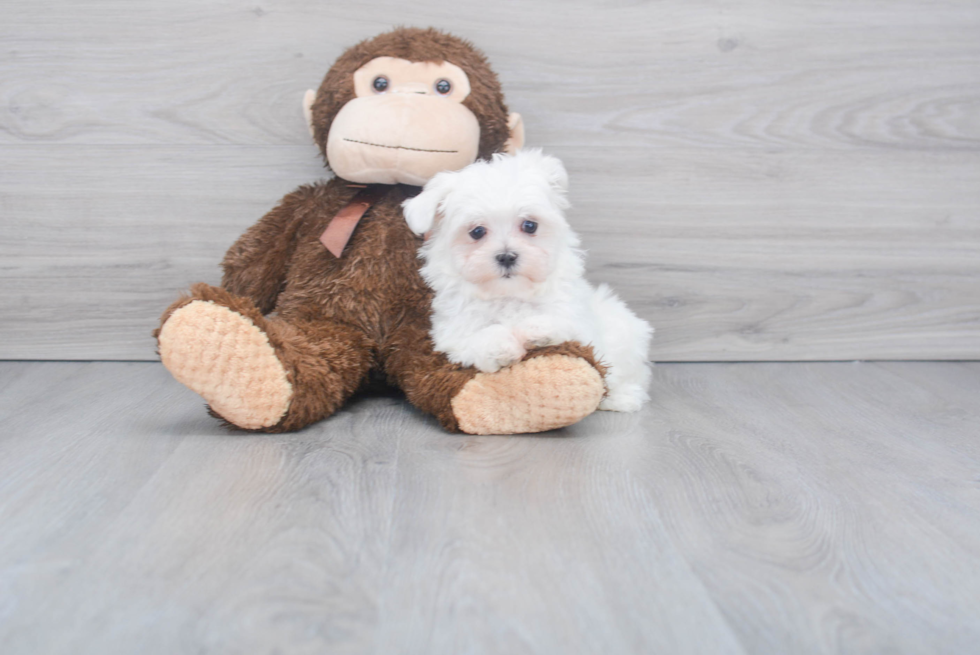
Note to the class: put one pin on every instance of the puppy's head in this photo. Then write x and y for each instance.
(497, 226)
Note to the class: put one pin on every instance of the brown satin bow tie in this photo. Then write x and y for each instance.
(342, 225)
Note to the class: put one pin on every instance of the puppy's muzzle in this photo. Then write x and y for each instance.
(507, 259)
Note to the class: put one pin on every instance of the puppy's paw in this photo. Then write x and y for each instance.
(543, 330)
(498, 347)
(625, 398)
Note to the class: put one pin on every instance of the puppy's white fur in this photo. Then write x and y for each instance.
(486, 314)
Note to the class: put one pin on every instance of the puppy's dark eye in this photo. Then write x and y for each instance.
(478, 232)
(443, 87)
(380, 83)
(530, 227)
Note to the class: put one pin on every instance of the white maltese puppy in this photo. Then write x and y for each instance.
(507, 274)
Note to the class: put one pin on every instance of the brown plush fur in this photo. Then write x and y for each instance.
(331, 321)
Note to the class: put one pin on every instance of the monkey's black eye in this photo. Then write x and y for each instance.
(380, 83)
(443, 87)
(530, 227)
(478, 232)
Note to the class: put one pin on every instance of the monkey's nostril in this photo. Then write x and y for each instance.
(507, 258)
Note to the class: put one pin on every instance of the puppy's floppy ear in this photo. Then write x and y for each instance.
(548, 167)
(555, 173)
(420, 211)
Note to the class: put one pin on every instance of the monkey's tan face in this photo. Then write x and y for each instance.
(406, 123)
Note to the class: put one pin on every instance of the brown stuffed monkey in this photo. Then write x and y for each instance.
(324, 290)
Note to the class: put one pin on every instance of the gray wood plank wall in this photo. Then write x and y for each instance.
(761, 180)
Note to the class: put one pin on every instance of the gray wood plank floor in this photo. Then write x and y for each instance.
(762, 180)
(750, 508)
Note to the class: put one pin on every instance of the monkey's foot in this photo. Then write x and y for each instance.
(227, 359)
(538, 394)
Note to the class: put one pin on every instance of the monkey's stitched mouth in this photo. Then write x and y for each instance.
(380, 145)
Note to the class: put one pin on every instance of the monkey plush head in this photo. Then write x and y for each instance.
(407, 104)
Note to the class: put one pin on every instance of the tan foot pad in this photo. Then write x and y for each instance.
(535, 395)
(223, 356)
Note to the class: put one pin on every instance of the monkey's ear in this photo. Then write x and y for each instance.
(308, 99)
(420, 211)
(516, 140)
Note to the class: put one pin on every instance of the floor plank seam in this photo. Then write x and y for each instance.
(389, 530)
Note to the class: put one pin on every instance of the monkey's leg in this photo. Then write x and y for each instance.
(258, 373)
(551, 388)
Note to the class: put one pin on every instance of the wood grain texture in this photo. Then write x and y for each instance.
(823, 490)
(762, 267)
(870, 74)
(751, 508)
(134, 523)
(790, 181)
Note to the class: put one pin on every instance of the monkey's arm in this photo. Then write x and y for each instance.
(257, 264)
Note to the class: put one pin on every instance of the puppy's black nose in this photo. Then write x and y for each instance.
(507, 259)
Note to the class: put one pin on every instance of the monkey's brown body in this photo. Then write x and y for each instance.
(294, 330)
